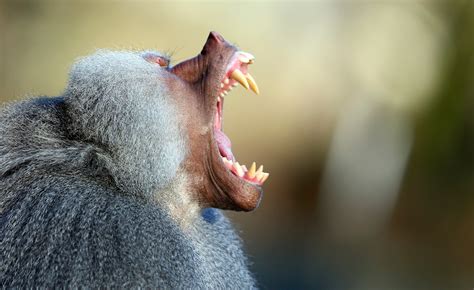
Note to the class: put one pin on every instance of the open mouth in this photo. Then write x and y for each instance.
(206, 80)
(236, 73)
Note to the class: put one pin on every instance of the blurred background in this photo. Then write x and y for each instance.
(365, 122)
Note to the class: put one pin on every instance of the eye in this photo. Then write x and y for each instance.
(156, 58)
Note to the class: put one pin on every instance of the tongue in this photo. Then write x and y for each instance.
(223, 142)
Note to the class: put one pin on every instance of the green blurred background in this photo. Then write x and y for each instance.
(365, 122)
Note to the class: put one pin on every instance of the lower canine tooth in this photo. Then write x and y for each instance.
(251, 172)
(264, 177)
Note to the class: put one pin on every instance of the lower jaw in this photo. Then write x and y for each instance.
(248, 174)
(236, 194)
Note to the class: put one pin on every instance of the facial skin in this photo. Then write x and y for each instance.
(199, 79)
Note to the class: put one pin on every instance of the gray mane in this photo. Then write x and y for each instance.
(130, 117)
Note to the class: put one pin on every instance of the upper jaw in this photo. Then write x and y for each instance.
(236, 73)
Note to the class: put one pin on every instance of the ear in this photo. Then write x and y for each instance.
(156, 58)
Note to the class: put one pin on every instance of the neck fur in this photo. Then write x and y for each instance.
(178, 200)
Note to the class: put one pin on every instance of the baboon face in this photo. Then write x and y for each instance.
(199, 87)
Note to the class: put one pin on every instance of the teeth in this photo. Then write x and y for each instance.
(247, 55)
(227, 162)
(247, 81)
(238, 169)
(253, 175)
(251, 172)
(252, 83)
(244, 59)
(239, 76)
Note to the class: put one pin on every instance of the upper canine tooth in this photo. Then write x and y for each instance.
(264, 177)
(239, 76)
(260, 169)
(253, 84)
